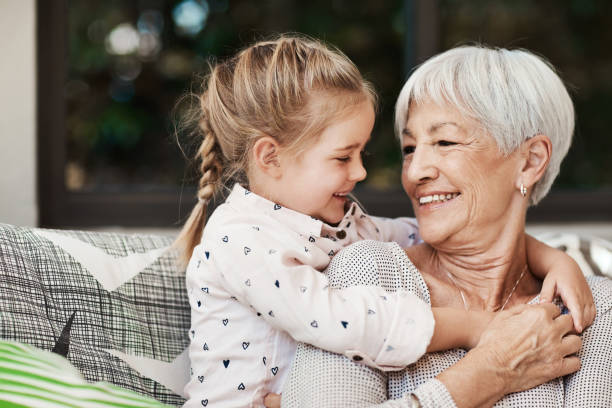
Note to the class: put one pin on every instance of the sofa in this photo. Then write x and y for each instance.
(116, 306)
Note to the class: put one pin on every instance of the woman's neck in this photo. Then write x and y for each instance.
(486, 275)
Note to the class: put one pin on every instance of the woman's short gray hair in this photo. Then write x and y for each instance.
(513, 94)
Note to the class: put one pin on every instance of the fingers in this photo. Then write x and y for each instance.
(577, 313)
(551, 309)
(590, 311)
(548, 291)
(272, 400)
(569, 365)
(570, 344)
(564, 324)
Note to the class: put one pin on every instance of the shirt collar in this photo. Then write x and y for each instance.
(246, 200)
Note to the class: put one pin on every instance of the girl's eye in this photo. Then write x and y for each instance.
(408, 150)
(343, 159)
(446, 143)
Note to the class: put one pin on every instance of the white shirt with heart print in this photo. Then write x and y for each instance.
(256, 285)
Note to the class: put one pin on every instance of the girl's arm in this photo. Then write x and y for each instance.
(456, 328)
(562, 277)
(275, 274)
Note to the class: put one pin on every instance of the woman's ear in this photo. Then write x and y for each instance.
(265, 155)
(536, 153)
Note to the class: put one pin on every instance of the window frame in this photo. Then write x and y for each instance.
(61, 208)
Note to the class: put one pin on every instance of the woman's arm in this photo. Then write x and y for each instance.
(592, 385)
(522, 348)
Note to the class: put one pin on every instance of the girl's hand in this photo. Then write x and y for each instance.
(562, 277)
(566, 280)
(521, 348)
(272, 400)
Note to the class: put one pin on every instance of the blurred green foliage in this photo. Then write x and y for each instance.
(119, 104)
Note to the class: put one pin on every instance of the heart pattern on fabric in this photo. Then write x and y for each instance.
(245, 345)
(207, 254)
(204, 402)
(226, 363)
(277, 207)
(225, 239)
(344, 324)
(247, 282)
(225, 322)
(277, 284)
(247, 250)
(303, 289)
(314, 324)
(264, 360)
(205, 347)
(201, 378)
(241, 386)
(274, 370)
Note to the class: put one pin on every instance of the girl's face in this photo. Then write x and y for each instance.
(318, 181)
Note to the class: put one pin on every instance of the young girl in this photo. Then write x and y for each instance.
(288, 119)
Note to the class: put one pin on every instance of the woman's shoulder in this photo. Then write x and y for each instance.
(376, 263)
(601, 287)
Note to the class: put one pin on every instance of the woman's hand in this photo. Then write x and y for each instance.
(523, 347)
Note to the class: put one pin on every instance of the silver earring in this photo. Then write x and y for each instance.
(523, 190)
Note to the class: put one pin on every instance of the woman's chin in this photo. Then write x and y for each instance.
(434, 232)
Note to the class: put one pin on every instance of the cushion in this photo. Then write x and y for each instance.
(593, 255)
(32, 377)
(114, 304)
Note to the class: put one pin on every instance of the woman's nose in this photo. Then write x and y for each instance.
(421, 165)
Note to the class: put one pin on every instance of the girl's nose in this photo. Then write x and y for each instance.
(358, 172)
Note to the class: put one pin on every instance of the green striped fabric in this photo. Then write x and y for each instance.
(31, 377)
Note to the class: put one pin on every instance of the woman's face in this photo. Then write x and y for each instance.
(460, 185)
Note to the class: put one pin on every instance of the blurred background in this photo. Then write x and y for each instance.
(91, 91)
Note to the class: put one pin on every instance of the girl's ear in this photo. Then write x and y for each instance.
(265, 155)
(536, 152)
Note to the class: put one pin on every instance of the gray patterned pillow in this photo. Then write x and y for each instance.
(114, 304)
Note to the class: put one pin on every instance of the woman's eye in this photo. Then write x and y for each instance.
(408, 150)
(364, 153)
(446, 143)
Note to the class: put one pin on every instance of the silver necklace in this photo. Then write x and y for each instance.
(465, 304)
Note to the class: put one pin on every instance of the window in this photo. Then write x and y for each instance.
(111, 73)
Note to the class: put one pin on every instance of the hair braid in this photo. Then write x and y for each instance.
(211, 168)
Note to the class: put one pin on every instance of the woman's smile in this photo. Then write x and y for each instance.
(430, 199)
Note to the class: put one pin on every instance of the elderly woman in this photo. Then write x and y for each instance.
(483, 133)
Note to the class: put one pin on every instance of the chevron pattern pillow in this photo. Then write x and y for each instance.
(114, 304)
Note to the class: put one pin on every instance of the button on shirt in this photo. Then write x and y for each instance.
(255, 284)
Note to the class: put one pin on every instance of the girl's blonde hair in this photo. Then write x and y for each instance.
(267, 89)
